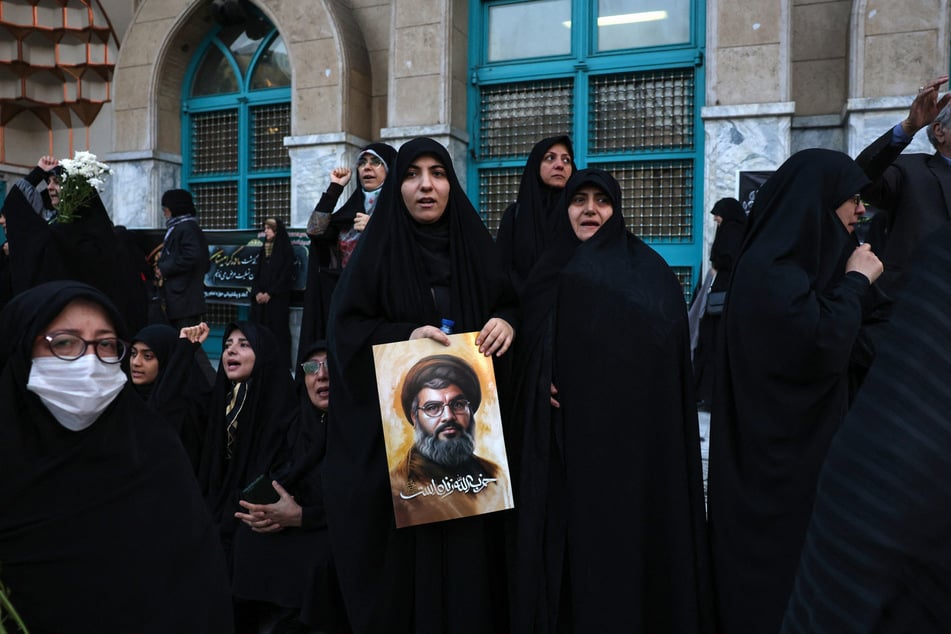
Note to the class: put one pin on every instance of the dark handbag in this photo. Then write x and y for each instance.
(715, 301)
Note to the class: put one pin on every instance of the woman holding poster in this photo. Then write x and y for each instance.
(427, 256)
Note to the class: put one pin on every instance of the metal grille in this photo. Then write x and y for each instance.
(513, 117)
(498, 188)
(271, 198)
(685, 277)
(269, 125)
(217, 205)
(220, 315)
(215, 142)
(657, 198)
(639, 111)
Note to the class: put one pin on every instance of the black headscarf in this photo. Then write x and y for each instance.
(613, 303)
(321, 276)
(180, 392)
(791, 317)
(79, 525)
(729, 236)
(270, 411)
(392, 579)
(876, 556)
(526, 226)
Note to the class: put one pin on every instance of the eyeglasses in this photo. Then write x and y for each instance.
(857, 200)
(372, 160)
(71, 347)
(434, 409)
(313, 367)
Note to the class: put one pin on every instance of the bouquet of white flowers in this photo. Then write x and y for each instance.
(82, 177)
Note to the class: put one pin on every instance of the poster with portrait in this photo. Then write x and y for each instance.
(443, 430)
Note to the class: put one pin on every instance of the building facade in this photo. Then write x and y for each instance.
(250, 103)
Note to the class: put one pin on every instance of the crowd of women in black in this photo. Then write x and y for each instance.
(169, 502)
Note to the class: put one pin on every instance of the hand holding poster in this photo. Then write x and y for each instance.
(443, 430)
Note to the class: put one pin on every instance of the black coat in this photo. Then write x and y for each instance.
(274, 275)
(104, 529)
(184, 262)
(781, 389)
(915, 192)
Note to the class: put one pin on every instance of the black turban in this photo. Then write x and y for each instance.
(440, 366)
(179, 202)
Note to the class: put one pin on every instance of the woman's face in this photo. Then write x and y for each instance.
(82, 318)
(318, 383)
(268, 233)
(555, 169)
(589, 208)
(371, 170)
(143, 364)
(851, 211)
(237, 356)
(425, 189)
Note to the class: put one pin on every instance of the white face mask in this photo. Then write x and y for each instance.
(75, 392)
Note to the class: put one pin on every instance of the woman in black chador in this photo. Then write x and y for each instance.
(425, 256)
(271, 288)
(609, 502)
(335, 234)
(791, 316)
(526, 226)
(253, 405)
(103, 527)
(731, 223)
(166, 374)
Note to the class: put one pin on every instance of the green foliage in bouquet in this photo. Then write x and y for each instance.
(8, 614)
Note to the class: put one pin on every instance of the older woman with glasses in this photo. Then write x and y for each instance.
(86, 468)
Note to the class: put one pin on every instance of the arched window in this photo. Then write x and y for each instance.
(623, 78)
(236, 113)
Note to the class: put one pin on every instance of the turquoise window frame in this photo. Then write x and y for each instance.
(583, 62)
(244, 100)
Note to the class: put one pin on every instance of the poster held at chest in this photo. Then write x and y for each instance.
(443, 430)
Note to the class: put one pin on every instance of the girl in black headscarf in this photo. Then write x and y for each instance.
(253, 406)
(271, 288)
(103, 527)
(610, 518)
(334, 237)
(791, 316)
(426, 256)
(526, 226)
(164, 371)
(731, 223)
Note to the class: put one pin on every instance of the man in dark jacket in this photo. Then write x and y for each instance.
(184, 261)
(913, 189)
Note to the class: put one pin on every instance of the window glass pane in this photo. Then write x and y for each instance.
(273, 68)
(269, 125)
(215, 142)
(214, 76)
(658, 198)
(217, 205)
(243, 49)
(498, 189)
(650, 110)
(529, 29)
(638, 23)
(514, 117)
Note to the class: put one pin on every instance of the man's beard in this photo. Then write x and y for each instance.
(450, 452)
